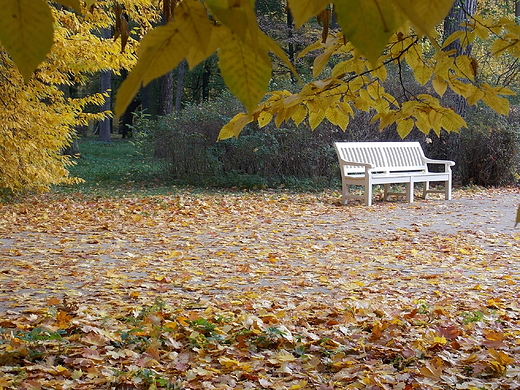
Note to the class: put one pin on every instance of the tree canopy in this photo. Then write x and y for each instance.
(42, 102)
(355, 55)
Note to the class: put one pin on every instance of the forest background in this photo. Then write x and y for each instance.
(411, 93)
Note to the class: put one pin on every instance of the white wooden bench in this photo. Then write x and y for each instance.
(369, 163)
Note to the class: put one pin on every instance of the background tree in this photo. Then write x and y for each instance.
(460, 13)
(181, 69)
(166, 80)
(350, 67)
(38, 117)
(105, 126)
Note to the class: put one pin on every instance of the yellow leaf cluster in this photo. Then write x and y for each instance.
(242, 49)
(38, 120)
(355, 82)
(374, 35)
(32, 133)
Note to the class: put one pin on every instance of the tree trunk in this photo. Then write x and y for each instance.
(105, 127)
(126, 121)
(72, 149)
(290, 48)
(205, 81)
(461, 11)
(181, 69)
(166, 94)
(166, 81)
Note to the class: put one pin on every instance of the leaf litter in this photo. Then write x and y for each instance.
(261, 290)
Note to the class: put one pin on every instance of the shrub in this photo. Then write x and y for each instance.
(298, 157)
(489, 150)
(265, 157)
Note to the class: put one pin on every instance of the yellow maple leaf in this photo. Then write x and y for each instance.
(63, 319)
(284, 356)
(501, 357)
(300, 385)
(440, 340)
(431, 371)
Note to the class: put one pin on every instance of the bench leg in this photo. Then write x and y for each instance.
(368, 194)
(344, 194)
(447, 190)
(409, 192)
(426, 188)
(386, 197)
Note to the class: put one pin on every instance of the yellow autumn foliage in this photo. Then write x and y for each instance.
(37, 119)
(32, 132)
(373, 36)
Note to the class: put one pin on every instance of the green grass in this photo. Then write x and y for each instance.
(115, 168)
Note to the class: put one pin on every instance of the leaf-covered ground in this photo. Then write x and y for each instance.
(260, 291)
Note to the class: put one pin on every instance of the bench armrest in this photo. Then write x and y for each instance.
(358, 164)
(447, 163)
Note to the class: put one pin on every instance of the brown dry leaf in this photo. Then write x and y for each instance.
(431, 371)
(258, 290)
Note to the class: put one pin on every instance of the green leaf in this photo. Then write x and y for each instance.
(246, 70)
(26, 32)
(368, 24)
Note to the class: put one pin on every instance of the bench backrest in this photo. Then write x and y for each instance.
(384, 156)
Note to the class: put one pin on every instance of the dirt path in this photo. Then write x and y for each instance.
(260, 290)
(190, 248)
